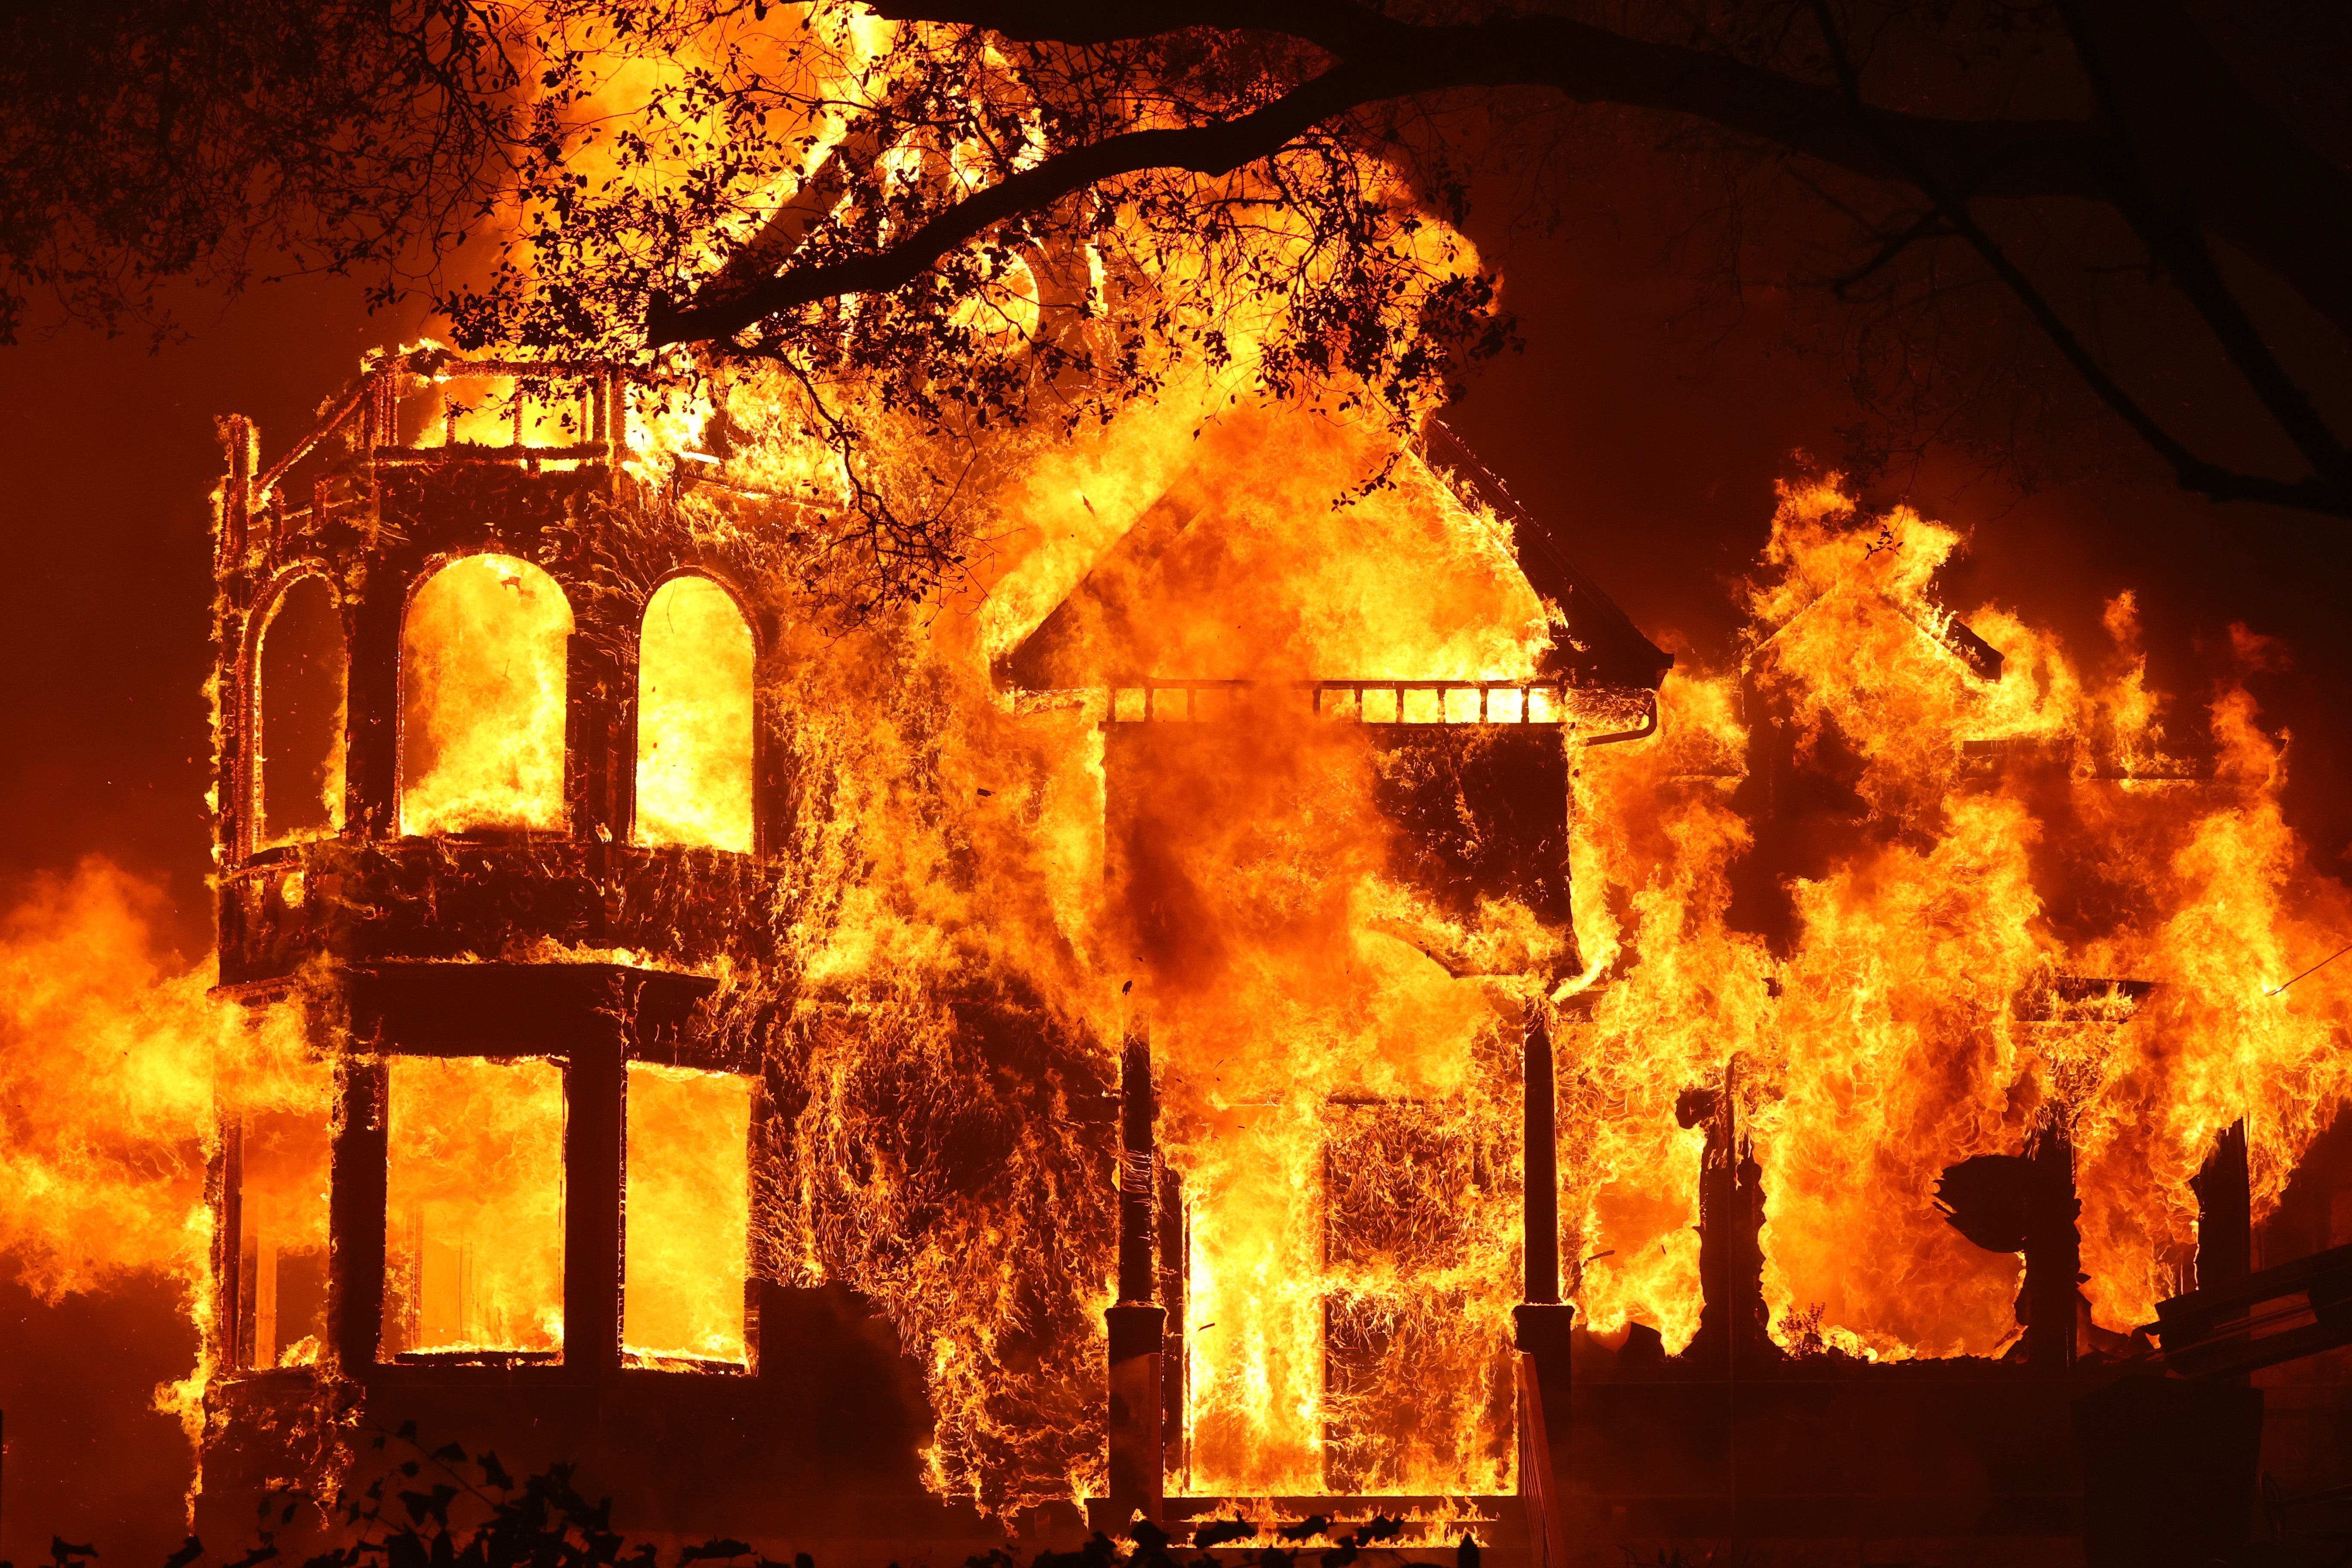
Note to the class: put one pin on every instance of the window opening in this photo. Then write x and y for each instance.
(694, 718)
(482, 699)
(300, 680)
(688, 1217)
(474, 1209)
(284, 1171)
(1403, 1185)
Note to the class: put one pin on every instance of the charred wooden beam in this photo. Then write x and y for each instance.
(2225, 1220)
(1138, 1324)
(1730, 1222)
(371, 728)
(1175, 1257)
(2026, 1203)
(1750, 1319)
(1136, 1168)
(2263, 1319)
(1541, 1211)
(1542, 1323)
(600, 739)
(2054, 1252)
(225, 1182)
(594, 1085)
(355, 1215)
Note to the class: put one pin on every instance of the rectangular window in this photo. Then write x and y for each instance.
(284, 1169)
(688, 1217)
(474, 1209)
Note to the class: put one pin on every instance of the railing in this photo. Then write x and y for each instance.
(373, 400)
(1373, 702)
(1151, 700)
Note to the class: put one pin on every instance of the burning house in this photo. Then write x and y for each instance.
(1148, 1051)
(512, 819)
(925, 874)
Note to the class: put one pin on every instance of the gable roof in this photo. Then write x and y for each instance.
(1124, 616)
(1603, 647)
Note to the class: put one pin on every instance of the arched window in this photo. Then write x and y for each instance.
(481, 698)
(299, 663)
(694, 718)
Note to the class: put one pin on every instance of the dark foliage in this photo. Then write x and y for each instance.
(461, 1511)
(1013, 213)
(141, 142)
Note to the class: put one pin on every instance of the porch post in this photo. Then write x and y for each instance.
(1542, 1321)
(1136, 1322)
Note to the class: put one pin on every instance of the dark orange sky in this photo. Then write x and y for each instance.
(104, 603)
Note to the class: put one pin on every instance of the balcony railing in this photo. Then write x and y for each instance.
(1372, 701)
(1153, 700)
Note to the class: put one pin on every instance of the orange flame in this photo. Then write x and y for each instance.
(473, 1200)
(690, 1215)
(115, 1069)
(482, 684)
(2000, 833)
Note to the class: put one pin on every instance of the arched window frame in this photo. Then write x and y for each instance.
(245, 780)
(634, 686)
(432, 567)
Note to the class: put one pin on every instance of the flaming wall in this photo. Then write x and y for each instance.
(503, 823)
(709, 1019)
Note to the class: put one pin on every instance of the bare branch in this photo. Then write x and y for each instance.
(1392, 59)
(2195, 474)
(1215, 149)
(2174, 238)
(2302, 230)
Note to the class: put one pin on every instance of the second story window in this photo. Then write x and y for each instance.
(694, 718)
(298, 753)
(482, 682)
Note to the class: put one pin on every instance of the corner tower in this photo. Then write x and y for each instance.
(495, 802)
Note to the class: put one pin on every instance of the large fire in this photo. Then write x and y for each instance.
(1894, 889)
(475, 1205)
(1978, 896)
(1992, 839)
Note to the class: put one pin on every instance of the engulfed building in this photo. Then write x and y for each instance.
(999, 1068)
(497, 809)
(517, 818)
